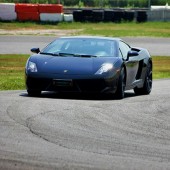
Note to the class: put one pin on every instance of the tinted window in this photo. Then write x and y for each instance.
(124, 49)
(86, 46)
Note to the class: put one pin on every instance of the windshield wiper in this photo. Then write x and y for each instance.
(58, 54)
(87, 55)
(53, 54)
(68, 54)
(76, 55)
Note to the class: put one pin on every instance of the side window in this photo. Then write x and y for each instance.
(124, 48)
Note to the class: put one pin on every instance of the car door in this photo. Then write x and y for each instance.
(131, 64)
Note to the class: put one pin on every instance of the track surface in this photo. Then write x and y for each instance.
(85, 132)
(23, 44)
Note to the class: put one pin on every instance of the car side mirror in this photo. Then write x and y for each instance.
(35, 50)
(132, 54)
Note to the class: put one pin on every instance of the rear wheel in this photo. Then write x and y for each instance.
(121, 85)
(34, 93)
(147, 86)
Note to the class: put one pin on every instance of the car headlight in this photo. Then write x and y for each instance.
(105, 68)
(31, 66)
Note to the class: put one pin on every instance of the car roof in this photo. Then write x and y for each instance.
(92, 37)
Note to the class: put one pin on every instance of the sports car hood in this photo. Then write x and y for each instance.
(71, 65)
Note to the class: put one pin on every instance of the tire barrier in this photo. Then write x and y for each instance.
(98, 15)
(141, 16)
(87, 15)
(27, 12)
(51, 17)
(118, 16)
(40, 12)
(9, 7)
(50, 8)
(8, 16)
(7, 12)
(129, 16)
(32, 12)
(28, 16)
(51, 13)
(108, 16)
(24, 8)
(78, 16)
(68, 17)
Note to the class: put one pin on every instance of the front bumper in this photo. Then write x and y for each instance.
(71, 84)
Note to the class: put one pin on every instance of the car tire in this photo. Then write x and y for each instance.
(120, 92)
(147, 86)
(98, 15)
(34, 93)
(78, 16)
(108, 16)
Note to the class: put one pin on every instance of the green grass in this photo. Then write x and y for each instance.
(12, 70)
(161, 67)
(152, 29)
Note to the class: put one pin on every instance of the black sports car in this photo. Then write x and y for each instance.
(89, 64)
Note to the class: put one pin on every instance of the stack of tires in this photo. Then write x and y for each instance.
(98, 15)
(7, 12)
(141, 16)
(27, 12)
(118, 15)
(78, 16)
(51, 12)
(129, 16)
(88, 15)
(94, 15)
(68, 17)
(54, 13)
(108, 16)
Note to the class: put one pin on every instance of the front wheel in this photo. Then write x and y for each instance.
(120, 92)
(147, 86)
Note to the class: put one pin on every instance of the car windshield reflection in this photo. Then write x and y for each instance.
(81, 48)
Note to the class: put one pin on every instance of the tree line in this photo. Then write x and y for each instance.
(96, 3)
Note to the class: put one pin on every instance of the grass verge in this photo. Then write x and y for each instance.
(161, 67)
(12, 70)
(152, 29)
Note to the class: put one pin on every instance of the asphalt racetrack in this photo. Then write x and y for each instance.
(85, 132)
(57, 131)
(23, 44)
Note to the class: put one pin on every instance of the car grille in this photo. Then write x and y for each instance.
(78, 85)
(92, 85)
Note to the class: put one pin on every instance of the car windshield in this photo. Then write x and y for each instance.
(81, 47)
